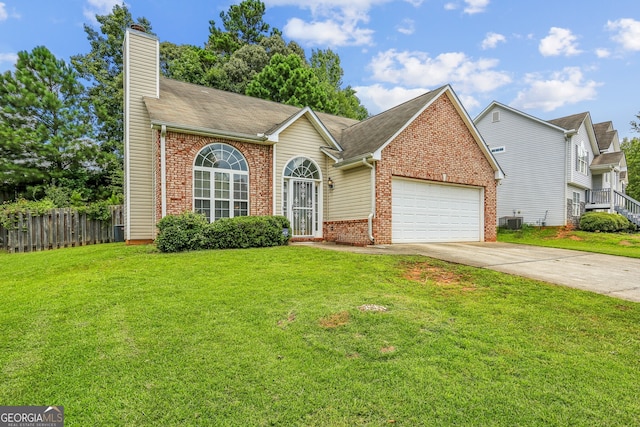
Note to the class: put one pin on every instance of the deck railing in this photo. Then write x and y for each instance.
(599, 197)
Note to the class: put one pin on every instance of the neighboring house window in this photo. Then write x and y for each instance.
(300, 196)
(606, 178)
(576, 204)
(220, 182)
(582, 158)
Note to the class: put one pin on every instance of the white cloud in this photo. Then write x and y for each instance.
(377, 98)
(475, 6)
(627, 33)
(472, 6)
(418, 69)
(327, 33)
(492, 40)
(99, 7)
(560, 41)
(408, 27)
(334, 22)
(560, 88)
(3, 12)
(8, 57)
(603, 53)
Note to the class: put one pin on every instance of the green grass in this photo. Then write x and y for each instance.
(621, 244)
(128, 336)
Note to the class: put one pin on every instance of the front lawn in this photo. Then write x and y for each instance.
(294, 336)
(622, 244)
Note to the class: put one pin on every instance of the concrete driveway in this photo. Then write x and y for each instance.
(605, 274)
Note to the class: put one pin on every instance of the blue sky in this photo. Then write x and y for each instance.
(547, 58)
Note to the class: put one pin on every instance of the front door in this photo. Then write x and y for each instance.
(302, 214)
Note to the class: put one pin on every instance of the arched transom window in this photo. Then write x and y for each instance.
(300, 196)
(220, 182)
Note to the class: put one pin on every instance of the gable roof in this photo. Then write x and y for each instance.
(199, 109)
(608, 159)
(605, 135)
(518, 112)
(570, 122)
(369, 135)
(202, 110)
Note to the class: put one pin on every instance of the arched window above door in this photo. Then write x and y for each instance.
(301, 167)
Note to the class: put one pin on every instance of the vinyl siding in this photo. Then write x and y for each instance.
(575, 177)
(351, 197)
(533, 161)
(141, 79)
(299, 140)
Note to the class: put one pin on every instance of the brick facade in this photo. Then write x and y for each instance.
(352, 232)
(438, 147)
(180, 153)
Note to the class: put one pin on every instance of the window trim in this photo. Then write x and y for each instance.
(236, 172)
(576, 210)
(287, 178)
(582, 159)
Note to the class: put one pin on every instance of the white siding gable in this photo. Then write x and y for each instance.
(532, 155)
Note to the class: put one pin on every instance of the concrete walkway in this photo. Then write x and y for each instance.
(605, 274)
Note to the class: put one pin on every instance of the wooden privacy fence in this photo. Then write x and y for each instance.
(60, 228)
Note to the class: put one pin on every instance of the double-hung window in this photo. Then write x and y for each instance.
(582, 159)
(576, 204)
(220, 182)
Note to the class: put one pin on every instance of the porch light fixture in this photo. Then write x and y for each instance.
(330, 183)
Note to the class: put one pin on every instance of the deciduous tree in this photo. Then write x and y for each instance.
(631, 148)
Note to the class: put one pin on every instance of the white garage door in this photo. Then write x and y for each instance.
(430, 212)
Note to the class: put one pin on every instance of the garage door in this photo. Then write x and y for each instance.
(431, 212)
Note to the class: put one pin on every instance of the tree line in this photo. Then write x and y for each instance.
(61, 123)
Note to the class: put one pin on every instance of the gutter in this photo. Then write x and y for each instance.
(197, 130)
(354, 161)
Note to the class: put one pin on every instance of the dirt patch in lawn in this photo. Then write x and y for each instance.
(423, 272)
(335, 320)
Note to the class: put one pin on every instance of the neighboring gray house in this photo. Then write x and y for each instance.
(555, 170)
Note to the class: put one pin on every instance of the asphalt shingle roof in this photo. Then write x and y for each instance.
(608, 159)
(570, 122)
(604, 134)
(199, 107)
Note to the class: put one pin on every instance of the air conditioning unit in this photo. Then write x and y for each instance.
(511, 222)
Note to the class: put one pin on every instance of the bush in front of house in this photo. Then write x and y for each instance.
(184, 232)
(191, 231)
(247, 232)
(605, 222)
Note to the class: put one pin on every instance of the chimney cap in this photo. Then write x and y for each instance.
(138, 27)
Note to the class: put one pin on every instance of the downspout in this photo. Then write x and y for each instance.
(274, 183)
(567, 160)
(373, 199)
(163, 169)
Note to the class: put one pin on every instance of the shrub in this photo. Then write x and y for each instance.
(182, 232)
(602, 221)
(190, 231)
(246, 232)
